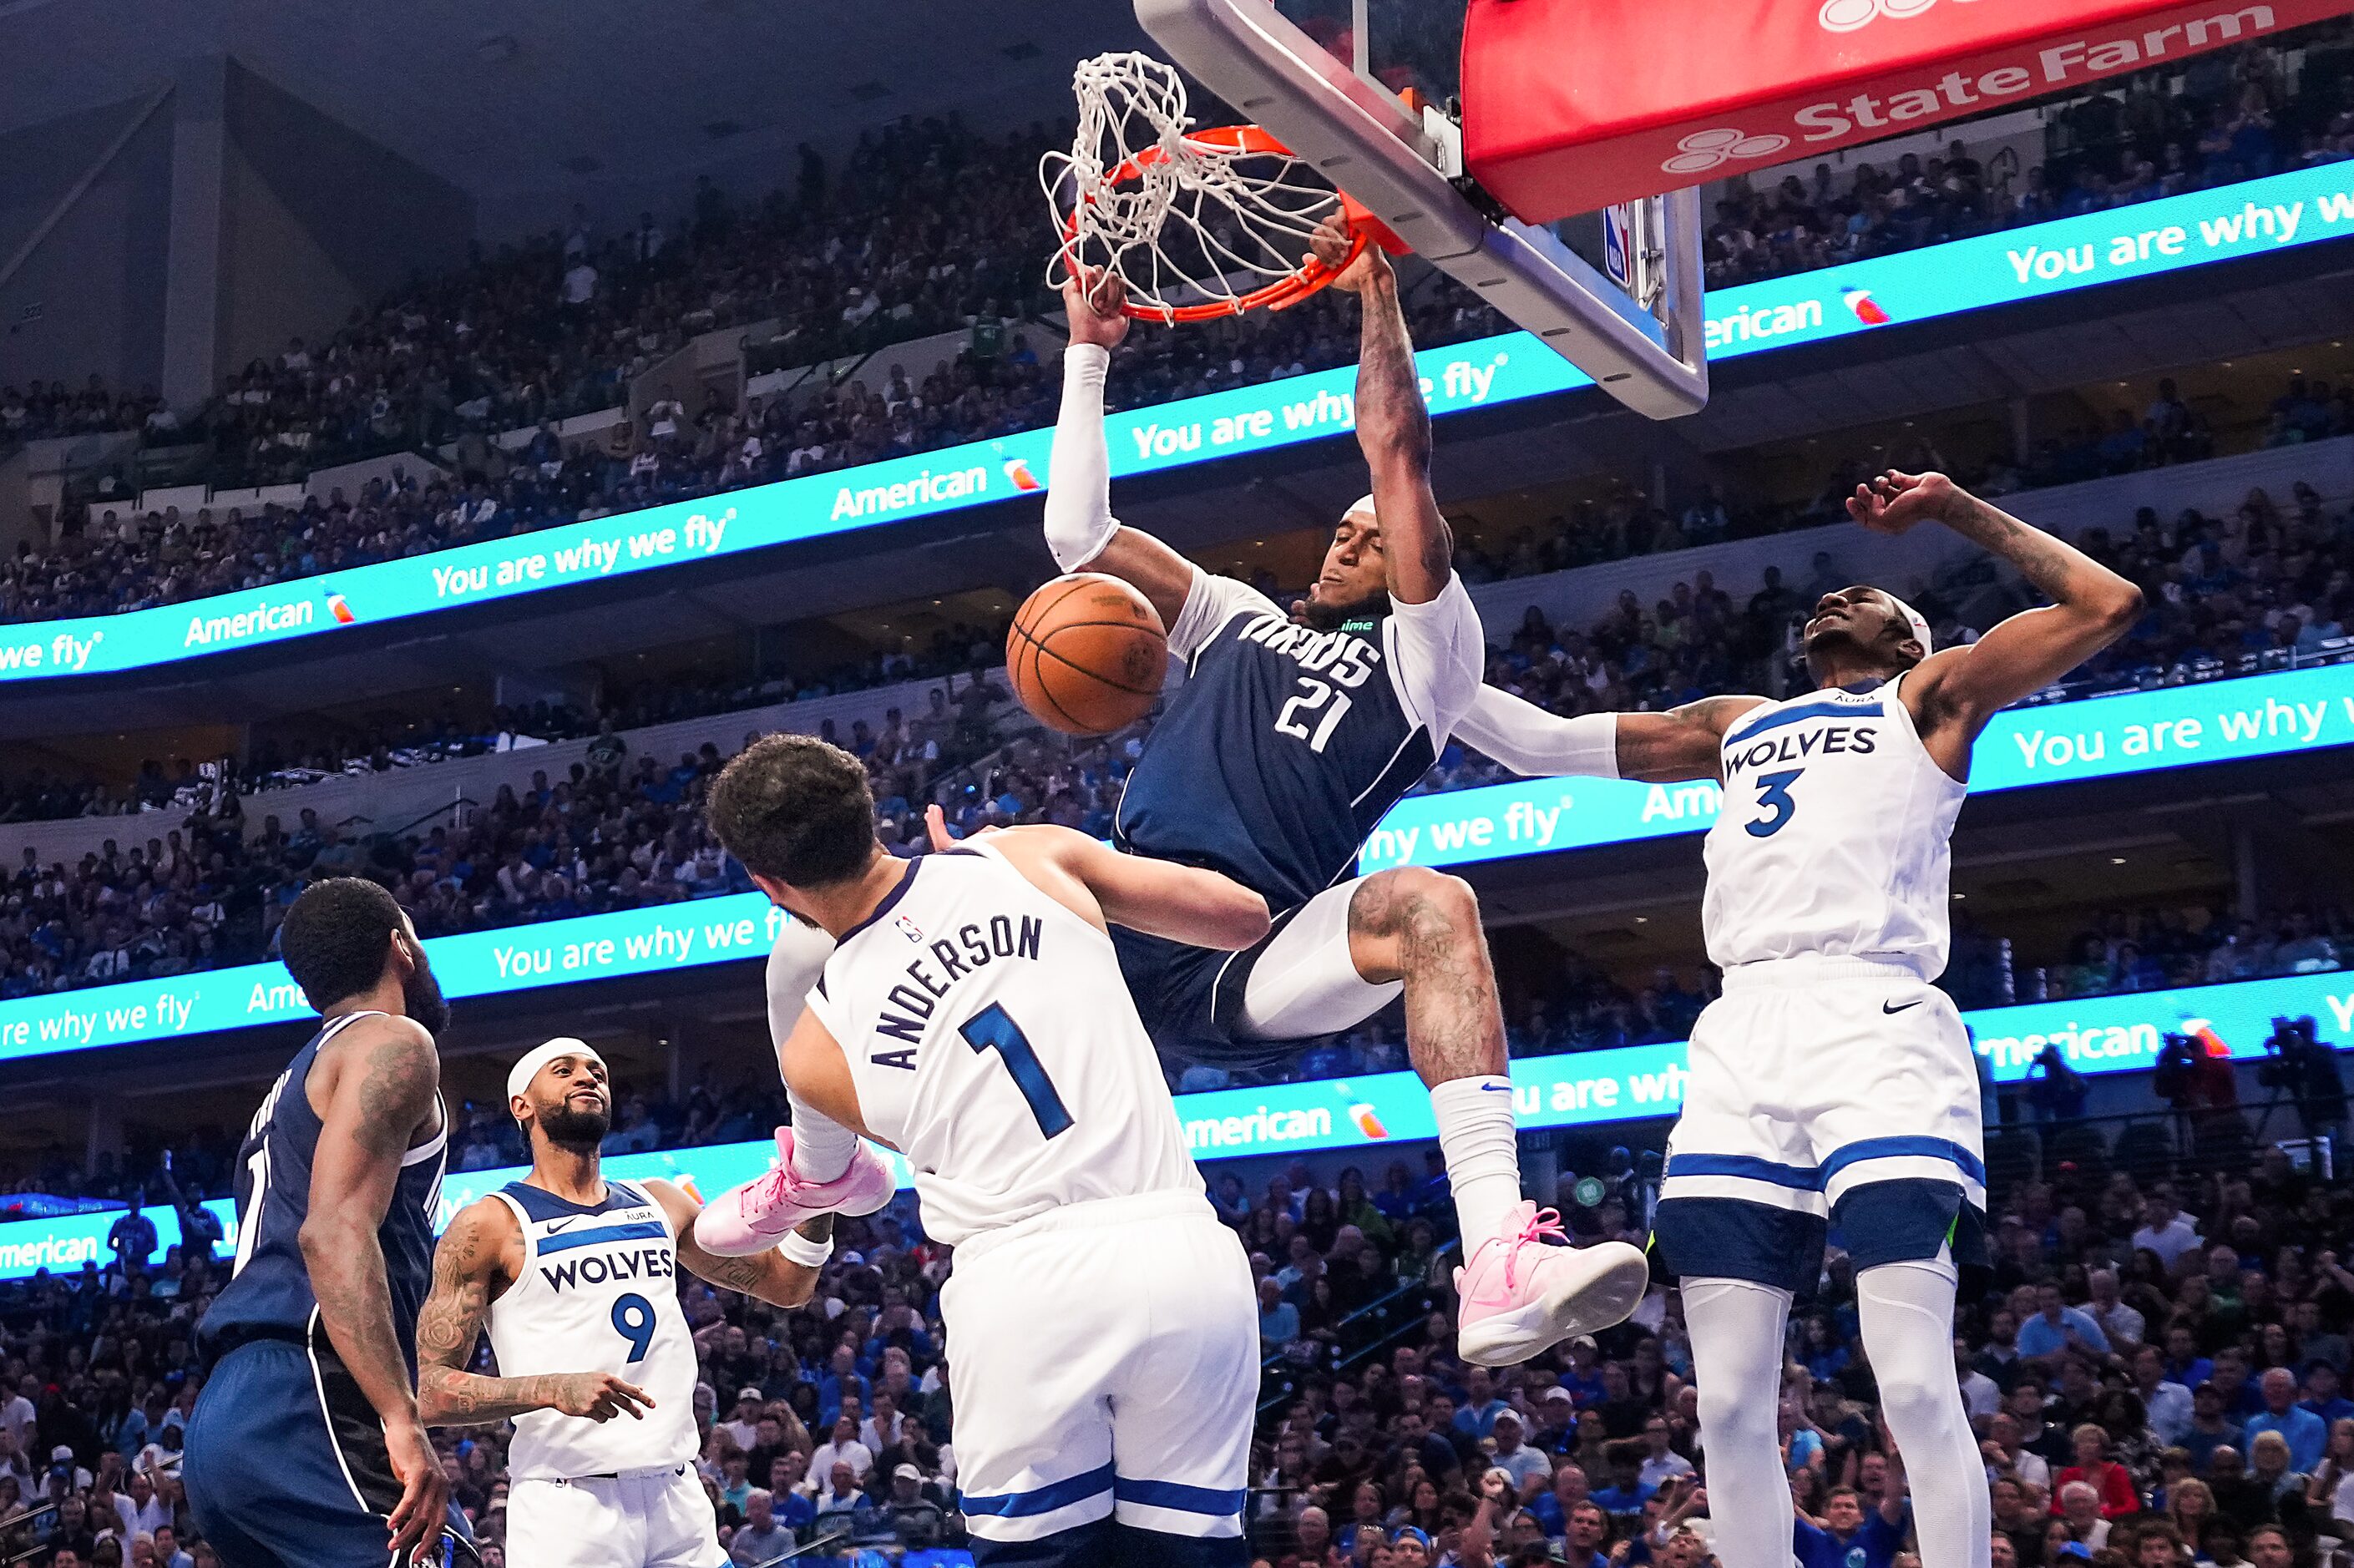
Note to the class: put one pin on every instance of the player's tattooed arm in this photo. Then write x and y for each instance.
(381, 1097)
(380, 1094)
(769, 1276)
(1959, 689)
(474, 1261)
(1392, 425)
(1682, 743)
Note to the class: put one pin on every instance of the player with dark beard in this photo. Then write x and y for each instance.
(305, 1447)
(575, 1275)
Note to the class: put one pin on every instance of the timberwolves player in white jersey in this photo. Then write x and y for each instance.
(1292, 734)
(1831, 1084)
(1103, 1336)
(577, 1276)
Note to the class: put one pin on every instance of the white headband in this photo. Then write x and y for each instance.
(1363, 503)
(520, 1076)
(1913, 618)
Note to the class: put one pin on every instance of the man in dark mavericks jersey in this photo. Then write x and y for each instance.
(1290, 737)
(305, 1446)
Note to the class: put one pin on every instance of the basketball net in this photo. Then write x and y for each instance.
(1197, 225)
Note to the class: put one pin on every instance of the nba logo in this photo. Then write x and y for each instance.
(1619, 243)
(908, 929)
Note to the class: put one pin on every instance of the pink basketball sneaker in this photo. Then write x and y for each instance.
(1521, 1294)
(754, 1218)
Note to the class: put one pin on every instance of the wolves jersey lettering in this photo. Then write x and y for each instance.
(1285, 745)
(598, 1292)
(1834, 835)
(992, 1042)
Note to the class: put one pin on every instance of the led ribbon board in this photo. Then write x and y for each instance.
(1633, 1083)
(2253, 218)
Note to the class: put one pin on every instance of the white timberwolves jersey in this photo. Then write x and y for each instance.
(598, 1292)
(1833, 838)
(993, 1042)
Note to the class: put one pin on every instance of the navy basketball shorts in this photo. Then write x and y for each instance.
(1265, 1004)
(285, 1463)
(1824, 1093)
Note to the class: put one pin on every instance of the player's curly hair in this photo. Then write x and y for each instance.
(336, 938)
(793, 808)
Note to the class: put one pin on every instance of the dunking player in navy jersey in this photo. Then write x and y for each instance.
(305, 1446)
(1291, 736)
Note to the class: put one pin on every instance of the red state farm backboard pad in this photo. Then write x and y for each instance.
(1570, 105)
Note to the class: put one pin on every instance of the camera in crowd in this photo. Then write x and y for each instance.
(2299, 1064)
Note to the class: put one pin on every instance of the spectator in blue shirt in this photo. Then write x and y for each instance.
(1848, 1537)
(2307, 1434)
(1279, 1320)
(1625, 1494)
(1477, 1416)
(2321, 1393)
(2056, 1326)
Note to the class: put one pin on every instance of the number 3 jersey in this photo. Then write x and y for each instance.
(598, 1292)
(1834, 835)
(992, 1042)
(1285, 745)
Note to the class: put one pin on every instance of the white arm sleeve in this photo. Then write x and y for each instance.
(1210, 603)
(1079, 522)
(1539, 745)
(1438, 656)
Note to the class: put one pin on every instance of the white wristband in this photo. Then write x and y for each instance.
(798, 1248)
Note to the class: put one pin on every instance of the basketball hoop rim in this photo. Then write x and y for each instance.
(1311, 276)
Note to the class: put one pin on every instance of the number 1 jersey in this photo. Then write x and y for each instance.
(1285, 745)
(993, 1042)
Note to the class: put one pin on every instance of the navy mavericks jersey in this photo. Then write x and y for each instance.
(1284, 744)
(269, 1293)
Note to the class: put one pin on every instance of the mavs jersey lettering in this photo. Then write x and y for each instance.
(1285, 745)
(598, 1292)
(992, 1041)
(269, 1293)
(1834, 835)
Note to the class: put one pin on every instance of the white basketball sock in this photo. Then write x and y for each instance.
(1736, 1326)
(1478, 1136)
(1906, 1312)
(823, 1147)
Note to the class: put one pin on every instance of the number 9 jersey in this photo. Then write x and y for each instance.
(1834, 835)
(598, 1292)
(993, 1042)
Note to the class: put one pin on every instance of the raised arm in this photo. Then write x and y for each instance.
(1657, 748)
(1080, 528)
(771, 1275)
(1182, 903)
(1956, 690)
(1393, 426)
(478, 1257)
(382, 1094)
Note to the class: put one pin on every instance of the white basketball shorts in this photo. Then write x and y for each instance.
(1824, 1092)
(1104, 1362)
(657, 1518)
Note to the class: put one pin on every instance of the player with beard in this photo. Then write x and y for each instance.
(574, 1277)
(305, 1446)
(1291, 736)
(1831, 1084)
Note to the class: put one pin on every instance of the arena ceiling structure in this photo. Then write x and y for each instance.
(528, 104)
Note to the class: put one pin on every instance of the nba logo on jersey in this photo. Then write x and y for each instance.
(909, 930)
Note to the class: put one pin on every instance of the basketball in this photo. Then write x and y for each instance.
(1087, 654)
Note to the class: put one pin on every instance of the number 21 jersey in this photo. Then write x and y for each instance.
(993, 1042)
(1286, 744)
(1834, 837)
